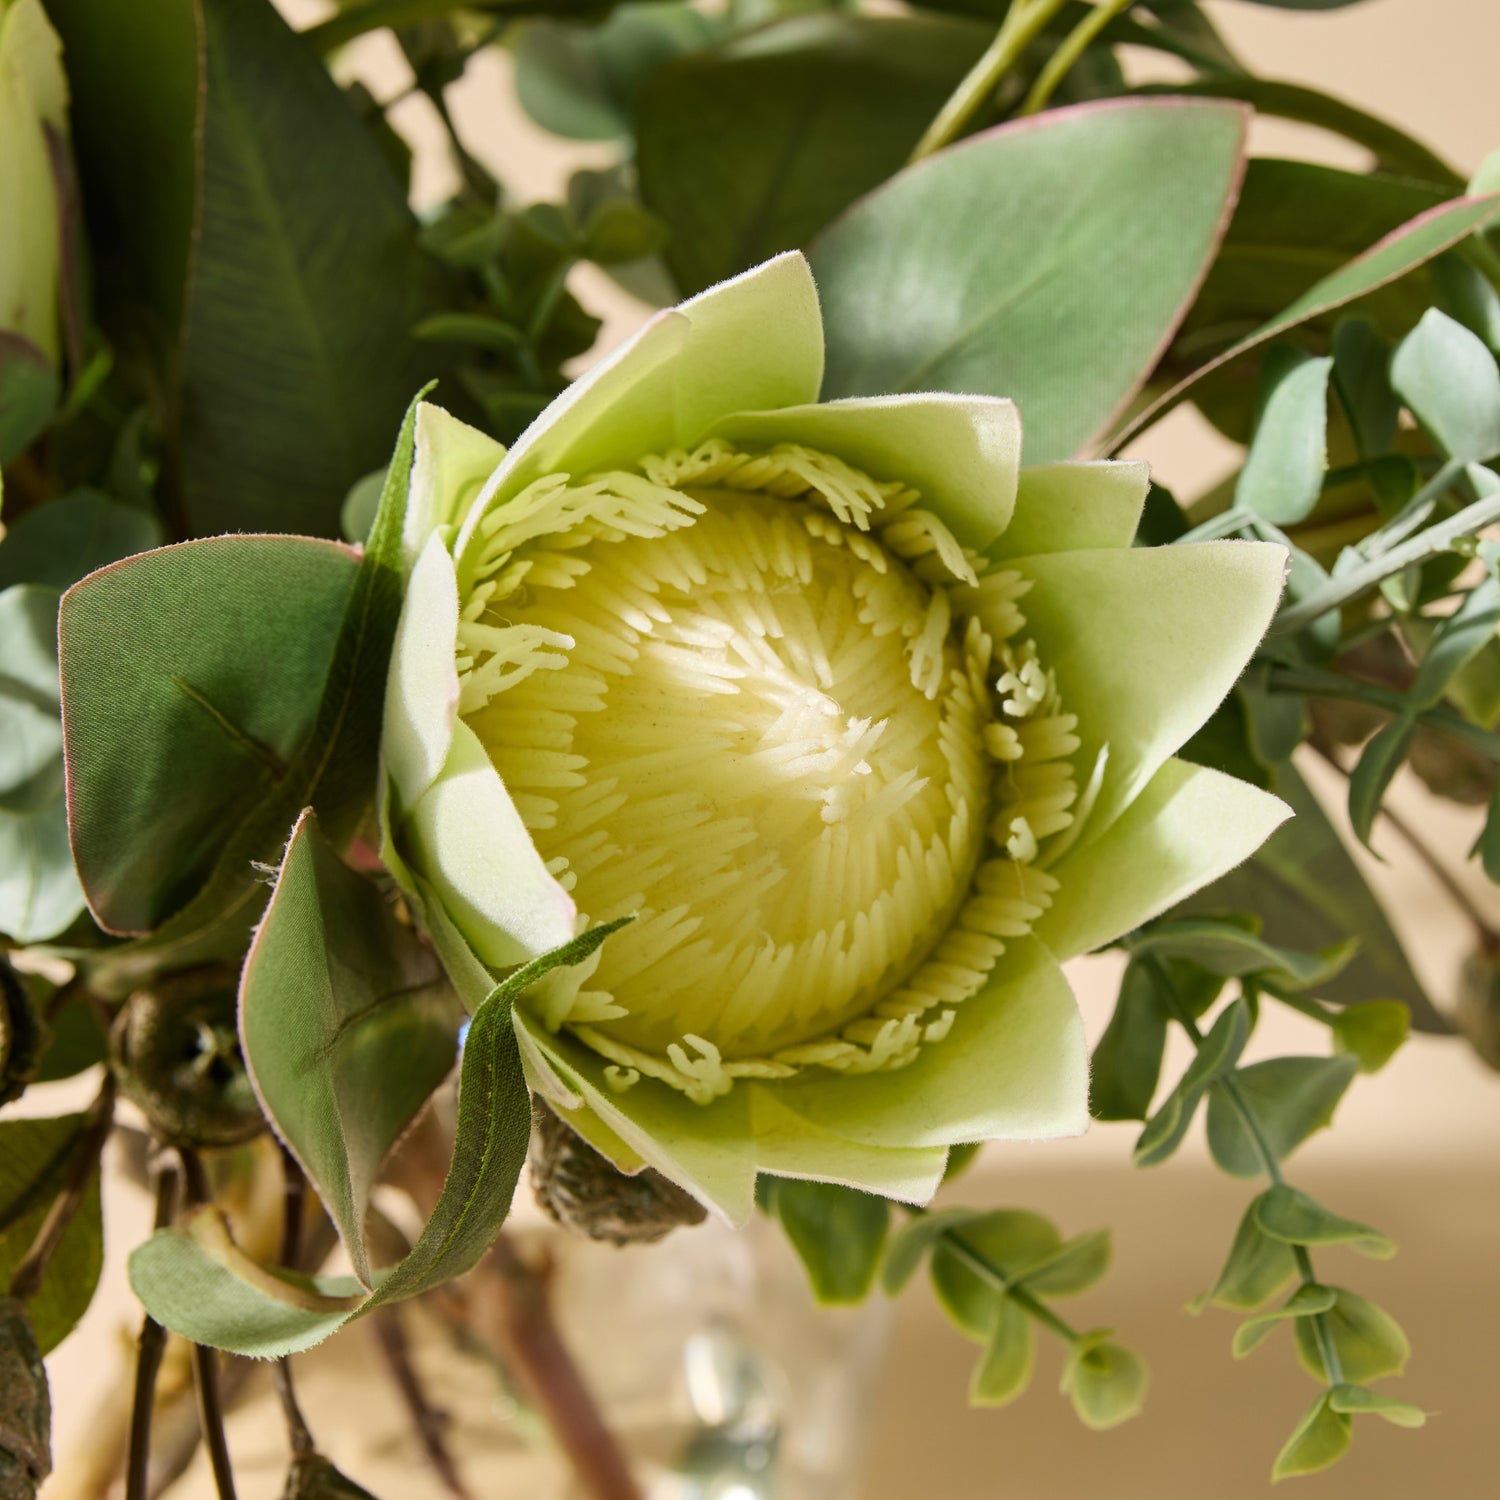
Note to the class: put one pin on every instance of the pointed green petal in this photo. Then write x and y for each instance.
(789, 1145)
(1069, 507)
(962, 452)
(1013, 1067)
(706, 1149)
(756, 345)
(467, 838)
(1146, 642)
(1188, 827)
(451, 465)
(421, 695)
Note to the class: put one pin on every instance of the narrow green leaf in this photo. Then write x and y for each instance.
(1167, 1128)
(1127, 1061)
(1283, 474)
(36, 1157)
(1469, 297)
(1257, 1268)
(1321, 1439)
(1004, 1369)
(751, 147)
(1286, 1214)
(1220, 1049)
(839, 1233)
(1362, 378)
(1456, 641)
(912, 302)
(1375, 770)
(1356, 1400)
(1080, 1264)
(1448, 378)
(1227, 948)
(1291, 1097)
(1303, 1303)
(1372, 1032)
(347, 1025)
(1369, 1341)
(1105, 1382)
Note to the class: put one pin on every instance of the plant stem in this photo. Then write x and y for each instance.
(379, 14)
(27, 1280)
(152, 1345)
(1023, 22)
(522, 1332)
(428, 1421)
(1073, 47)
(293, 1197)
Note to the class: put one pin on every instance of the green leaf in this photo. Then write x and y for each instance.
(1305, 1302)
(1448, 378)
(1372, 1033)
(1487, 845)
(926, 286)
(1321, 1439)
(1412, 245)
(752, 147)
(1217, 1054)
(75, 1040)
(1356, 1400)
(1291, 1097)
(1225, 947)
(262, 241)
(915, 1239)
(177, 734)
(1373, 773)
(39, 891)
(1011, 1240)
(1081, 1263)
(347, 1025)
(1127, 1061)
(1286, 1214)
(1368, 1340)
(36, 1157)
(581, 82)
(839, 1233)
(1310, 895)
(1362, 378)
(1257, 1268)
(1105, 1382)
(1469, 297)
(1283, 474)
(1004, 1369)
(29, 392)
(61, 541)
(1457, 640)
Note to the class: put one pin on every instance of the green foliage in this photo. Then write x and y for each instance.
(1369, 1342)
(29, 391)
(1448, 378)
(36, 1158)
(1321, 1438)
(1308, 1300)
(1289, 1098)
(1105, 1382)
(1217, 1055)
(1283, 473)
(1372, 1032)
(1257, 1268)
(910, 305)
(839, 1232)
(1292, 1217)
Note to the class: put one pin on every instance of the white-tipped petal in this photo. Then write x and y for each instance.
(450, 467)
(421, 695)
(468, 840)
(1188, 827)
(1072, 507)
(962, 453)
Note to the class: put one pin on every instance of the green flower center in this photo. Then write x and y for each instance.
(758, 701)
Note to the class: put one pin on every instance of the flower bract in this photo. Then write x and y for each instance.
(867, 726)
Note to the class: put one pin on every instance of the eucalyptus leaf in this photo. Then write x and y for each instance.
(1286, 1214)
(1369, 1342)
(1217, 1054)
(1283, 473)
(1080, 1264)
(1127, 1061)
(1013, 1241)
(1357, 1400)
(1105, 1382)
(912, 1242)
(1469, 297)
(1372, 1032)
(1305, 1302)
(1004, 1369)
(838, 1232)
(1320, 1440)
(61, 541)
(1226, 948)
(926, 285)
(347, 1026)
(1257, 1268)
(1448, 378)
(1290, 1097)
(1457, 640)
(1362, 378)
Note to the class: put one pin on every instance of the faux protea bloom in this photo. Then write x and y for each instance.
(33, 104)
(866, 726)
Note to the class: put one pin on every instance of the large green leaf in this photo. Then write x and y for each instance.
(750, 148)
(61, 541)
(266, 243)
(839, 1232)
(1290, 1098)
(36, 1157)
(1310, 895)
(347, 1026)
(1048, 261)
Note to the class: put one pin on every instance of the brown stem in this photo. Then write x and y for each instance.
(428, 1421)
(153, 1344)
(27, 1280)
(515, 1317)
(293, 1197)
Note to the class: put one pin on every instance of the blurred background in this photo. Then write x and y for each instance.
(1416, 1149)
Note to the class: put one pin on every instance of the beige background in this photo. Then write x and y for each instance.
(1416, 1150)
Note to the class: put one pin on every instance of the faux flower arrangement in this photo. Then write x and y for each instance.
(717, 755)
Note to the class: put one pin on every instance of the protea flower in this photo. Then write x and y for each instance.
(33, 104)
(868, 727)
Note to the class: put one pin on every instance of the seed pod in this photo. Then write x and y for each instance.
(584, 1191)
(1478, 1008)
(25, 1407)
(312, 1477)
(20, 1036)
(178, 1053)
